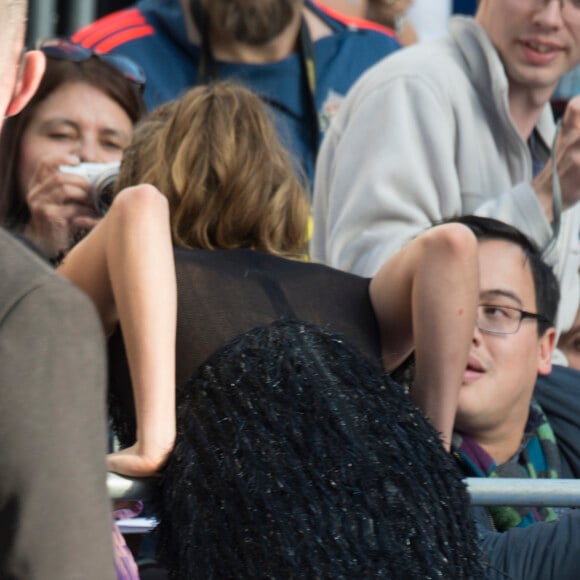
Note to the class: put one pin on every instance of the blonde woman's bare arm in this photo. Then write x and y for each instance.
(126, 266)
(425, 298)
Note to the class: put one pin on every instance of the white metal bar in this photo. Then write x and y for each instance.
(524, 492)
(121, 487)
(483, 491)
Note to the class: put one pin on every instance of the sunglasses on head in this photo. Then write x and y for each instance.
(64, 50)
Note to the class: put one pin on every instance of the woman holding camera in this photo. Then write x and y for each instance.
(82, 113)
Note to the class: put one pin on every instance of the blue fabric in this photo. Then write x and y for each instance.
(170, 62)
(559, 395)
(464, 6)
(538, 156)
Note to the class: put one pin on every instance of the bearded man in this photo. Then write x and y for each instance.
(256, 23)
(301, 58)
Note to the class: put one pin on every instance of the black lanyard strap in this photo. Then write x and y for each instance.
(207, 67)
(208, 71)
(309, 67)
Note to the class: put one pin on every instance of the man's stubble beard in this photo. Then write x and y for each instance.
(253, 22)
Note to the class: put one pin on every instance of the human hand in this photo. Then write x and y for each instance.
(60, 206)
(134, 461)
(567, 156)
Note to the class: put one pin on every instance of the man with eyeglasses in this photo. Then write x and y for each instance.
(504, 428)
(462, 125)
(298, 56)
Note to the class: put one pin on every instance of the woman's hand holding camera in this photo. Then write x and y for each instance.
(61, 209)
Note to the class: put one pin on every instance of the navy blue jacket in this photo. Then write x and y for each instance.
(153, 33)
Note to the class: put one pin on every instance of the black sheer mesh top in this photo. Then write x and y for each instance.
(223, 293)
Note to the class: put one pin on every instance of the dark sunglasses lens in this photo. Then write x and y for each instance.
(128, 67)
(65, 50)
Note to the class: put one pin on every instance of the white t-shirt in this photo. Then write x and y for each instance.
(430, 18)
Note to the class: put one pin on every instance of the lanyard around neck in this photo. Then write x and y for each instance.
(208, 71)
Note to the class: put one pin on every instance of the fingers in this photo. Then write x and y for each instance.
(571, 119)
(59, 188)
(59, 200)
(49, 165)
(59, 212)
(60, 205)
(129, 463)
(84, 222)
(566, 155)
(58, 197)
(55, 229)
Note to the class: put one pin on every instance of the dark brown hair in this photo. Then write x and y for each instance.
(93, 71)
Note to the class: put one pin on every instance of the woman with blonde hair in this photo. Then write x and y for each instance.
(215, 155)
(228, 186)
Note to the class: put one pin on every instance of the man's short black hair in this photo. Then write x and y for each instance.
(297, 457)
(545, 283)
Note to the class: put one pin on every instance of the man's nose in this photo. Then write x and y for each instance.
(551, 11)
(476, 339)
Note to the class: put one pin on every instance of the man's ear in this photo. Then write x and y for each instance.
(545, 348)
(29, 77)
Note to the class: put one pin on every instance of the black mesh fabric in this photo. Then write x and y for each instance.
(223, 293)
(296, 457)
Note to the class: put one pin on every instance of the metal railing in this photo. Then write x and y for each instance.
(121, 487)
(483, 491)
(524, 492)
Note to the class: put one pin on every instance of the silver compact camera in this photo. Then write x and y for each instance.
(101, 177)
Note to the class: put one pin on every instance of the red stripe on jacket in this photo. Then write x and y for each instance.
(93, 33)
(124, 36)
(354, 21)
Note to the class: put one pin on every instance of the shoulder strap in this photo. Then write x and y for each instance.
(198, 14)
